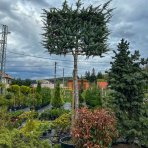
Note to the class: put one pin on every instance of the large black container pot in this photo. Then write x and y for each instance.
(64, 144)
(124, 145)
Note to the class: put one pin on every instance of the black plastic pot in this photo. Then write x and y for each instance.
(66, 145)
(124, 144)
(143, 146)
(45, 134)
(49, 131)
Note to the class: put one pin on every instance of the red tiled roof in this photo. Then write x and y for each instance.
(6, 75)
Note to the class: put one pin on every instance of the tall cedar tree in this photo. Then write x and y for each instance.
(57, 100)
(38, 89)
(127, 80)
(77, 30)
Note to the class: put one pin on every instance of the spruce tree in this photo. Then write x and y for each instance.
(93, 76)
(127, 80)
(87, 75)
(100, 75)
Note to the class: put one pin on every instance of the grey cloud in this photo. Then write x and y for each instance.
(129, 21)
(39, 3)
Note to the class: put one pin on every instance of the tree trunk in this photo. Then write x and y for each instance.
(76, 93)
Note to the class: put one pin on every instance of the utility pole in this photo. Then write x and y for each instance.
(55, 67)
(63, 77)
(3, 45)
(63, 84)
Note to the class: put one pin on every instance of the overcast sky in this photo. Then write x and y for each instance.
(23, 17)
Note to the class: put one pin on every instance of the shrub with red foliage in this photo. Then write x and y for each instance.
(94, 129)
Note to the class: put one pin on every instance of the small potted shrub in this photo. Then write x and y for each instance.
(94, 129)
(61, 126)
(52, 114)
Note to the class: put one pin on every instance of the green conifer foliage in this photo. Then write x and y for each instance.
(127, 79)
(77, 30)
(93, 97)
(38, 89)
(93, 76)
(57, 100)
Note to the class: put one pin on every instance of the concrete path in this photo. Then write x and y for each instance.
(24, 109)
(44, 108)
(67, 106)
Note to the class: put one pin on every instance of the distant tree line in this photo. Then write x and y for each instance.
(20, 82)
(92, 76)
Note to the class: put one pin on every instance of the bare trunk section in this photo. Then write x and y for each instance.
(76, 91)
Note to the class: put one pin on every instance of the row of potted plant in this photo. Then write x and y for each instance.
(52, 114)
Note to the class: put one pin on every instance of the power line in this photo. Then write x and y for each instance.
(27, 66)
(54, 59)
(9, 66)
(42, 66)
(27, 71)
(38, 56)
(35, 73)
(99, 63)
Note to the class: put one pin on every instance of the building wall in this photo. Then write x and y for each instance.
(102, 85)
(70, 84)
(50, 85)
(85, 84)
(6, 81)
(45, 83)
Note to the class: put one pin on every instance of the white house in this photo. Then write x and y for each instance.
(44, 83)
(6, 79)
